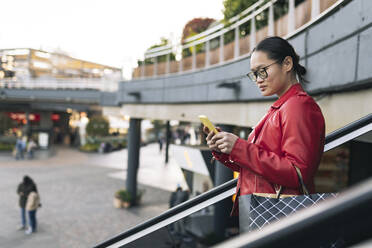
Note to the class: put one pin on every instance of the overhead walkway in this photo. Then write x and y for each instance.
(334, 46)
(347, 215)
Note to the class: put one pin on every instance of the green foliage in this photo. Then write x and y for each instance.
(6, 147)
(7, 143)
(5, 123)
(89, 147)
(98, 126)
(235, 7)
(160, 59)
(94, 143)
(123, 195)
(194, 27)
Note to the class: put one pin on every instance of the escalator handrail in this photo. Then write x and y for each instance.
(349, 128)
(353, 127)
(216, 191)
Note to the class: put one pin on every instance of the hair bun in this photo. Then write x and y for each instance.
(301, 70)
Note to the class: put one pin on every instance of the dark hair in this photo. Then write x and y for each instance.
(27, 180)
(277, 49)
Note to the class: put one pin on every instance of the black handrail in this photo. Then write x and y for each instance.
(171, 212)
(220, 189)
(349, 128)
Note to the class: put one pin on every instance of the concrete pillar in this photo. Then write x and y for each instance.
(207, 53)
(236, 42)
(291, 16)
(168, 136)
(271, 31)
(134, 143)
(253, 34)
(222, 208)
(315, 8)
(194, 58)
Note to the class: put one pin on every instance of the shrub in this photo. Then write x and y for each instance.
(89, 147)
(98, 126)
(123, 195)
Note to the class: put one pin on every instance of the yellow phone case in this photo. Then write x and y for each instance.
(206, 122)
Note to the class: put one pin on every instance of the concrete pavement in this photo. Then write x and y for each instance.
(77, 192)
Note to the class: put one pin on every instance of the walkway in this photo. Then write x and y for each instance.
(77, 192)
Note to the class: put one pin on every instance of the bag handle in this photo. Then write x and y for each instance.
(304, 189)
(300, 179)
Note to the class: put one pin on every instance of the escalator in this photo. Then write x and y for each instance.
(349, 214)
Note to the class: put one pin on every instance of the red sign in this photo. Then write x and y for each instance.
(55, 117)
(20, 116)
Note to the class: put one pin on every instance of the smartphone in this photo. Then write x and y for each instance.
(206, 122)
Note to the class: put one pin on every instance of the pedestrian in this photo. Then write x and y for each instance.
(160, 142)
(23, 190)
(290, 138)
(31, 145)
(19, 149)
(177, 197)
(32, 204)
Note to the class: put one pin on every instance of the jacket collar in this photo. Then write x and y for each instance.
(296, 88)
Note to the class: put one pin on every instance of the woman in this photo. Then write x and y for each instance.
(33, 202)
(290, 135)
(23, 190)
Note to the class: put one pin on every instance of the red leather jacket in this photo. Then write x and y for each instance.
(291, 134)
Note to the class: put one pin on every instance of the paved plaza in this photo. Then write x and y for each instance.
(77, 192)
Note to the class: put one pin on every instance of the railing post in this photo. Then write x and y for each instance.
(291, 16)
(236, 44)
(167, 68)
(315, 8)
(142, 68)
(271, 20)
(193, 57)
(180, 66)
(155, 66)
(207, 53)
(222, 49)
(253, 33)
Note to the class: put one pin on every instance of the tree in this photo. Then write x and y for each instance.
(98, 126)
(163, 42)
(194, 27)
(235, 7)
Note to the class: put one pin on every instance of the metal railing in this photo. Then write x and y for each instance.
(334, 139)
(297, 17)
(52, 83)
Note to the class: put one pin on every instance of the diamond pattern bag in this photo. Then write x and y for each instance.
(260, 209)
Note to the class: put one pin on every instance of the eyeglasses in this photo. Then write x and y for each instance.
(262, 73)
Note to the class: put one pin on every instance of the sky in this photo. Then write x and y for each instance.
(110, 32)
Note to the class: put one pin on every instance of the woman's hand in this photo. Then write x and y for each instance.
(221, 142)
(209, 137)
